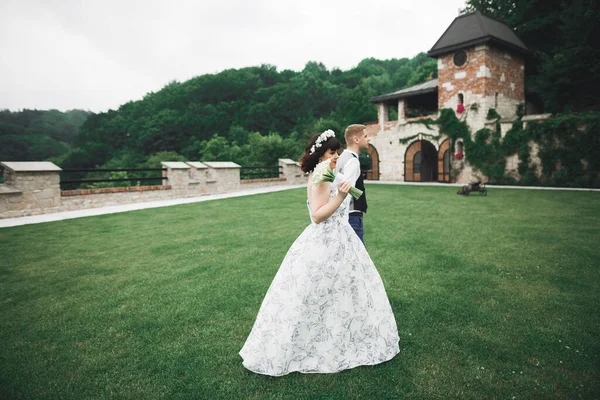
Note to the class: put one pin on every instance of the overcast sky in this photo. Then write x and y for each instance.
(97, 55)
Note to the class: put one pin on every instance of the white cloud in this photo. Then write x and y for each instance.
(98, 55)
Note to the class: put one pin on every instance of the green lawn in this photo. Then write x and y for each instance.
(495, 297)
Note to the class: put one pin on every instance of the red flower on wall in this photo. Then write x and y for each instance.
(460, 108)
(459, 155)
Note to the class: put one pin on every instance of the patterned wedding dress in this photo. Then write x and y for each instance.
(326, 309)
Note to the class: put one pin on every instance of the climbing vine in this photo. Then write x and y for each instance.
(425, 121)
(493, 114)
(569, 147)
(420, 135)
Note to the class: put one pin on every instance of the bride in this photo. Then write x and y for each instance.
(326, 309)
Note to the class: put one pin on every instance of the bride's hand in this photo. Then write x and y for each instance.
(343, 188)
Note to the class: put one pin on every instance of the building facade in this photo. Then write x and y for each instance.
(481, 65)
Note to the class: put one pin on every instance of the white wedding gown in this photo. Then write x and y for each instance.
(326, 309)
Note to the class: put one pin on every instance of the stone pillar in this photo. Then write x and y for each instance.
(222, 176)
(383, 114)
(401, 111)
(291, 172)
(178, 177)
(29, 188)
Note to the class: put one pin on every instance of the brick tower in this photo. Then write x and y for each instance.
(481, 62)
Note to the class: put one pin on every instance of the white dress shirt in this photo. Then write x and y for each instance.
(349, 166)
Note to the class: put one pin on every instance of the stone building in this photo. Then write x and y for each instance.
(481, 65)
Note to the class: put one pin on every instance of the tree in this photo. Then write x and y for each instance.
(211, 117)
(565, 54)
(269, 149)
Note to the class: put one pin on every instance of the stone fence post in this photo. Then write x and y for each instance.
(291, 172)
(222, 176)
(29, 188)
(178, 177)
(197, 177)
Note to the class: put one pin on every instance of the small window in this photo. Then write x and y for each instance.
(460, 107)
(417, 163)
(459, 147)
(460, 58)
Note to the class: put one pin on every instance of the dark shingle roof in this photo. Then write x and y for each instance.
(425, 87)
(475, 28)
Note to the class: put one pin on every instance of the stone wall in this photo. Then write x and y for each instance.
(33, 188)
(92, 198)
(261, 183)
(391, 151)
(291, 174)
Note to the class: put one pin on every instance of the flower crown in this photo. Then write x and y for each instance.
(323, 137)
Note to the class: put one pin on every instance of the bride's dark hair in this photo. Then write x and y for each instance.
(308, 161)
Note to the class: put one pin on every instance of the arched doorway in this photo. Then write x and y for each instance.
(420, 162)
(369, 163)
(444, 157)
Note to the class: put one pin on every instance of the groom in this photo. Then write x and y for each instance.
(348, 164)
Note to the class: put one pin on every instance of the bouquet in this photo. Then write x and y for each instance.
(324, 173)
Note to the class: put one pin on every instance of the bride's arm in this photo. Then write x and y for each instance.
(320, 206)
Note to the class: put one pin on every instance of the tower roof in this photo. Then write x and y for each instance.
(475, 28)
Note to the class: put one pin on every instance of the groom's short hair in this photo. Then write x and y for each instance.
(352, 131)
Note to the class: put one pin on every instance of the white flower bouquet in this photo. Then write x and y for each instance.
(324, 173)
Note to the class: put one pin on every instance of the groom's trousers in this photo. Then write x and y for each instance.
(356, 222)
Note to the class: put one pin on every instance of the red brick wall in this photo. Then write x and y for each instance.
(500, 62)
(497, 63)
(471, 83)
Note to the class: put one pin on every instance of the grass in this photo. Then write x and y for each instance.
(495, 297)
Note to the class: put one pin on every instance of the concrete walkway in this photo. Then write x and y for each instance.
(89, 212)
(487, 185)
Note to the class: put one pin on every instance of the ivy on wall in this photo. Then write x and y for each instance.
(493, 114)
(420, 135)
(569, 148)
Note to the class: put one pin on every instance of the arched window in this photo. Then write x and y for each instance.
(461, 98)
(417, 162)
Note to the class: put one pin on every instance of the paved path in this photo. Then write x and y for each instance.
(489, 186)
(88, 212)
(36, 219)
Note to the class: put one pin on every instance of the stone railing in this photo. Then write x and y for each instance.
(32, 188)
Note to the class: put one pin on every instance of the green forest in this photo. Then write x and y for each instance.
(255, 115)
(250, 115)
(38, 135)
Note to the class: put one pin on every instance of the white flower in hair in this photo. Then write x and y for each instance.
(323, 137)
